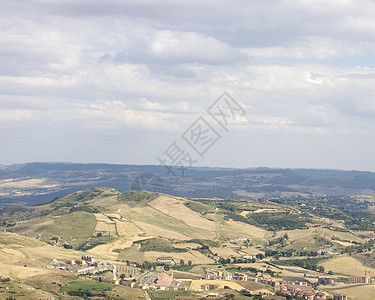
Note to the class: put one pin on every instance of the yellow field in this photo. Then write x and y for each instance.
(152, 230)
(196, 284)
(105, 224)
(127, 229)
(105, 227)
(176, 209)
(224, 252)
(355, 291)
(348, 266)
(234, 229)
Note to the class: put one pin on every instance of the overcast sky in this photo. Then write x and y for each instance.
(121, 81)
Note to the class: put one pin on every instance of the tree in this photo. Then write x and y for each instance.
(122, 276)
(182, 262)
(190, 262)
(321, 269)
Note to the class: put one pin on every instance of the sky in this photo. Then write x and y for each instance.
(268, 83)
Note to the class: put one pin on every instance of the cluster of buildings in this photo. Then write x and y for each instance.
(325, 280)
(300, 289)
(305, 291)
(86, 264)
(216, 274)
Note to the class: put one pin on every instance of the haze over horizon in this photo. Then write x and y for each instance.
(121, 81)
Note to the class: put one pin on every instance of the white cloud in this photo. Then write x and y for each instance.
(151, 105)
(315, 117)
(160, 64)
(115, 114)
(192, 47)
(15, 115)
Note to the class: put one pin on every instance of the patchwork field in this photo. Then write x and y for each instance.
(128, 230)
(105, 225)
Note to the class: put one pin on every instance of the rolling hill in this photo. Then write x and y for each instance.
(290, 240)
(105, 220)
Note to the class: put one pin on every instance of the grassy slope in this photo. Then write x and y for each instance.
(348, 265)
(74, 228)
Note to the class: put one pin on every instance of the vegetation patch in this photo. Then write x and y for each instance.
(280, 220)
(136, 197)
(198, 207)
(203, 242)
(87, 289)
(159, 245)
(308, 263)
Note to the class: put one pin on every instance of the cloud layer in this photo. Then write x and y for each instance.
(119, 81)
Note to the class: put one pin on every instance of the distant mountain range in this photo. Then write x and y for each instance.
(36, 183)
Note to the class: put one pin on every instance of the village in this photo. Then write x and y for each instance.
(215, 284)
